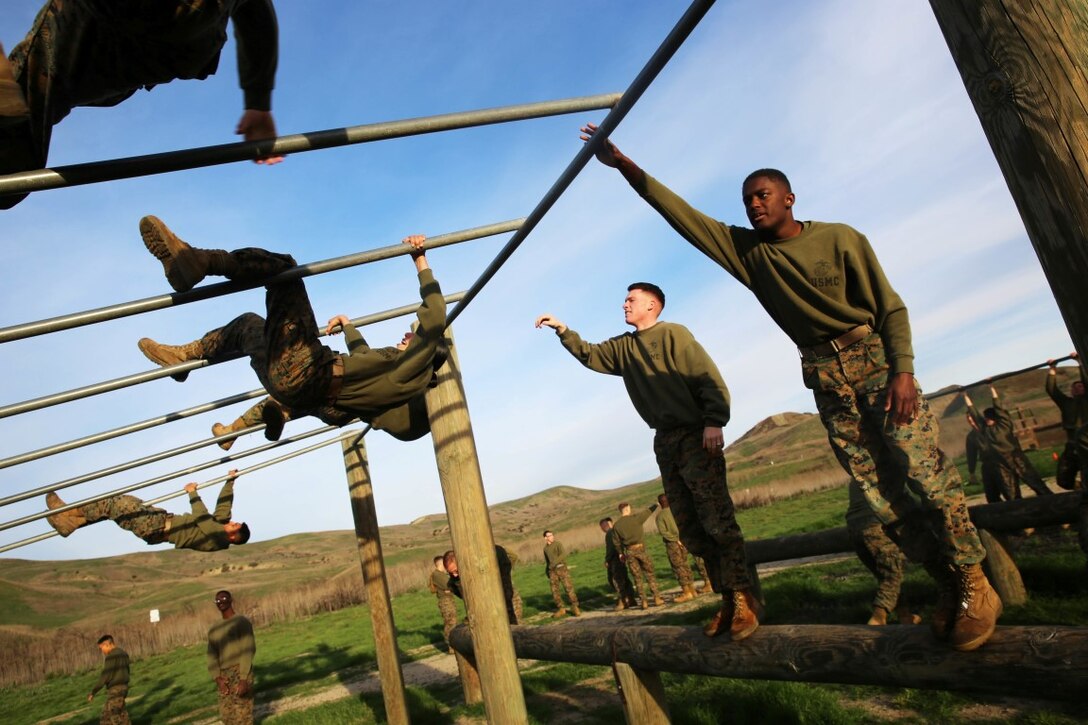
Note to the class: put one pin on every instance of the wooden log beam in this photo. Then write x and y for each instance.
(1036, 662)
(642, 694)
(1036, 511)
(474, 543)
(369, 543)
(1025, 66)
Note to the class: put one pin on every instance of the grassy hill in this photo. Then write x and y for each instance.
(788, 449)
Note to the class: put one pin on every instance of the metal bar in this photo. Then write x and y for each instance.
(176, 494)
(642, 81)
(148, 304)
(133, 166)
(995, 378)
(108, 386)
(166, 477)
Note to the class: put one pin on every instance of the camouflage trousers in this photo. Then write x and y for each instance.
(907, 481)
(510, 595)
(283, 348)
(84, 53)
(640, 564)
(235, 709)
(1069, 466)
(694, 480)
(678, 560)
(619, 579)
(999, 481)
(131, 514)
(876, 551)
(1026, 474)
(561, 575)
(449, 614)
(114, 712)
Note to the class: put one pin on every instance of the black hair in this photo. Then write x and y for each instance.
(606, 518)
(243, 534)
(772, 174)
(547, 531)
(105, 638)
(651, 288)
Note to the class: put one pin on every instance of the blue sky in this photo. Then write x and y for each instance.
(860, 103)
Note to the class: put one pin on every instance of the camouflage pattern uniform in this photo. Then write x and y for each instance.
(440, 586)
(510, 593)
(235, 709)
(114, 677)
(629, 534)
(678, 560)
(556, 566)
(231, 647)
(100, 52)
(1074, 412)
(694, 479)
(876, 551)
(131, 514)
(114, 712)
(907, 480)
(617, 570)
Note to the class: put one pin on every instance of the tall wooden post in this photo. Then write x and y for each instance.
(643, 695)
(470, 528)
(377, 588)
(1024, 63)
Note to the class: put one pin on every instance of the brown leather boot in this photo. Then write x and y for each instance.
(167, 355)
(878, 618)
(642, 603)
(737, 616)
(686, 596)
(574, 610)
(620, 606)
(703, 588)
(184, 266)
(66, 521)
(561, 613)
(218, 429)
(658, 601)
(977, 609)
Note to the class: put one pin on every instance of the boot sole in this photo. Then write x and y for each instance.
(176, 256)
(744, 633)
(145, 347)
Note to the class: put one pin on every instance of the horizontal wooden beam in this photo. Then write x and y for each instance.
(1036, 662)
(1060, 508)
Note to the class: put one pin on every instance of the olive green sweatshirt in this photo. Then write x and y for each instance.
(231, 643)
(611, 546)
(554, 555)
(376, 379)
(815, 286)
(672, 381)
(200, 530)
(629, 528)
(114, 670)
(998, 441)
(440, 584)
(666, 525)
(1074, 410)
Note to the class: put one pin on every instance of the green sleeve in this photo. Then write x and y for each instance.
(707, 384)
(213, 657)
(199, 509)
(643, 515)
(104, 677)
(601, 358)
(225, 503)
(432, 312)
(972, 452)
(662, 527)
(247, 645)
(354, 338)
(257, 34)
(708, 235)
(893, 322)
(1052, 389)
(973, 412)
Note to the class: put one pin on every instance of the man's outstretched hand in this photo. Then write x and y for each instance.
(258, 126)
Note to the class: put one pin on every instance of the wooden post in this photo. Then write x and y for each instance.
(643, 695)
(377, 589)
(1001, 570)
(1023, 63)
(470, 529)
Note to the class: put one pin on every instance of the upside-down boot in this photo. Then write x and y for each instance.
(977, 609)
(274, 417)
(64, 522)
(218, 429)
(167, 355)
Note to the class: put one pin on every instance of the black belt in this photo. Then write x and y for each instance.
(831, 347)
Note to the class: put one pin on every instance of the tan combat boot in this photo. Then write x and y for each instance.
(977, 609)
(184, 266)
(66, 521)
(658, 601)
(167, 355)
(703, 588)
(878, 618)
(575, 611)
(561, 613)
(737, 616)
(218, 429)
(687, 595)
(620, 606)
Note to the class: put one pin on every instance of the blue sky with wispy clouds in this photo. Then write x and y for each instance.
(858, 102)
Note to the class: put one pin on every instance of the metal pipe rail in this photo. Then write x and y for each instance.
(657, 61)
(127, 381)
(133, 166)
(148, 304)
(166, 477)
(243, 472)
(195, 410)
(995, 378)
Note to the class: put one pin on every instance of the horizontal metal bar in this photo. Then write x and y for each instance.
(127, 381)
(177, 494)
(133, 166)
(995, 378)
(148, 304)
(166, 477)
(649, 72)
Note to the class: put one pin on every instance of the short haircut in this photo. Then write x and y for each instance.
(105, 638)
(223, 591)
(662, 498)
(438, 559)
(651, 288)
(448, 557)
(772, 174)
(243, 534)
(622, 506)
(547, 531)
(605, 520)
(989, 414)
